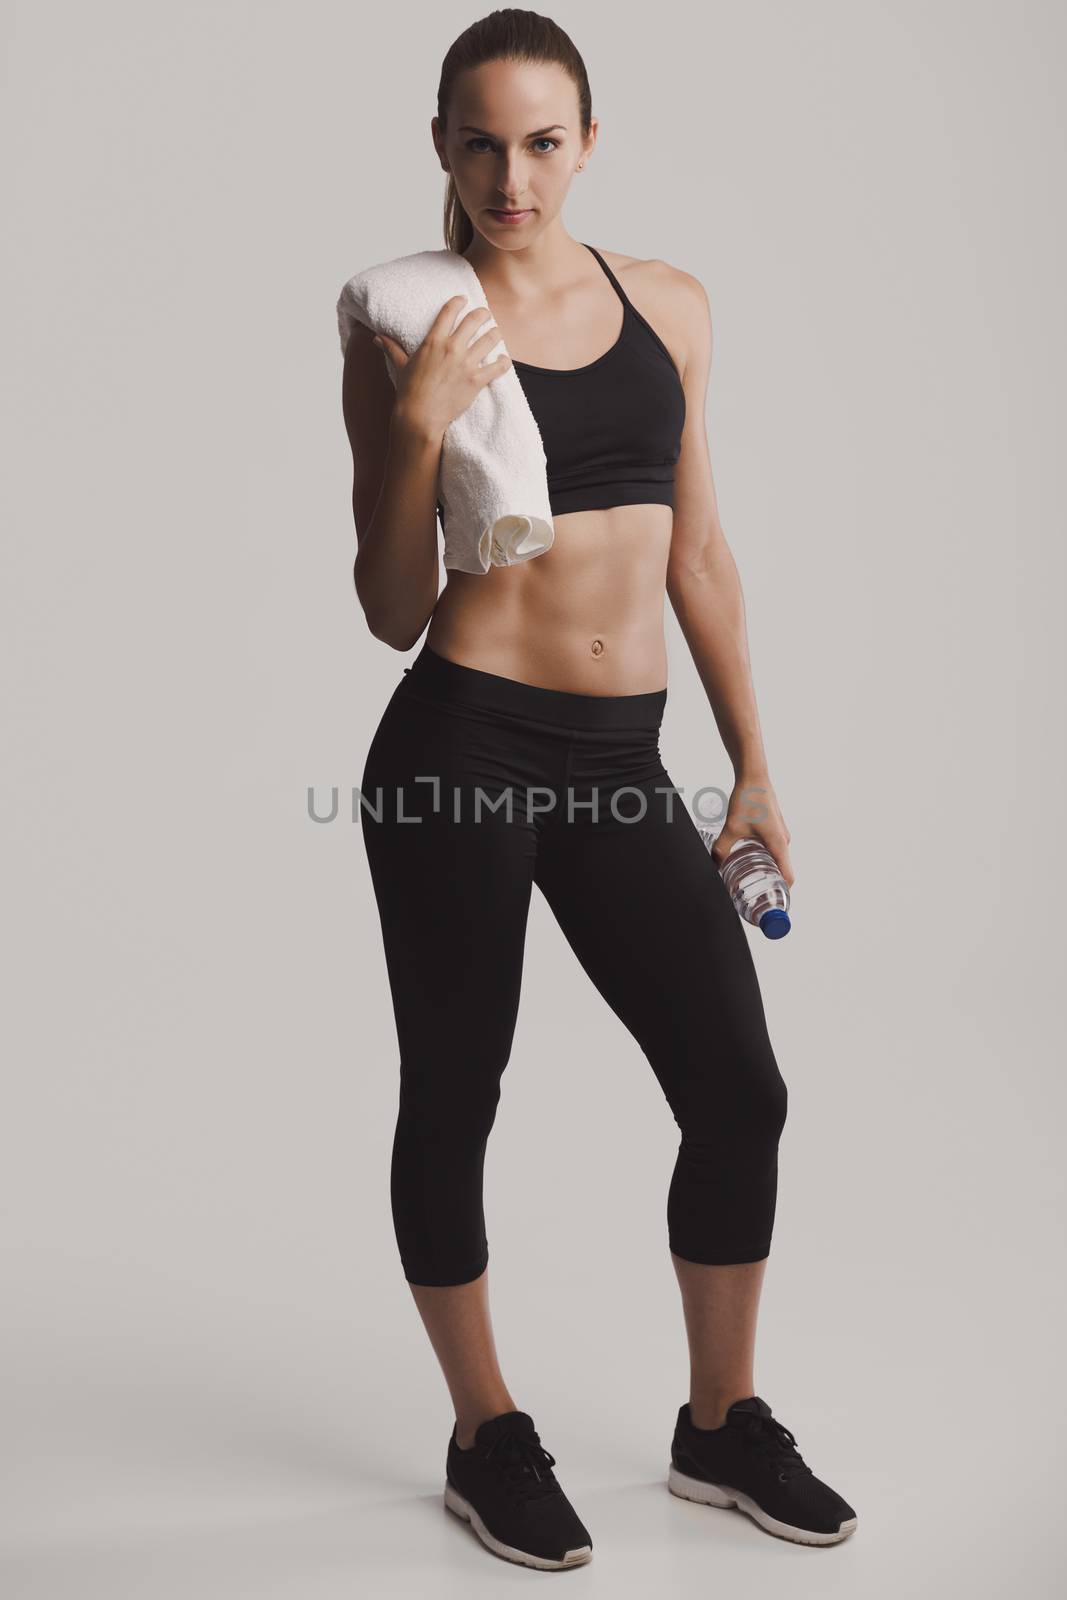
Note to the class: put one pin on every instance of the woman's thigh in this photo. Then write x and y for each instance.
(452, 869)
(642, 905)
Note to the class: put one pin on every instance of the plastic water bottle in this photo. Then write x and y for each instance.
(759, 892)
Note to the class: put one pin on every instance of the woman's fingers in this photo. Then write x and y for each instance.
(397, 351)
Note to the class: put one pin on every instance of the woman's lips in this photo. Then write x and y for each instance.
(509, 218)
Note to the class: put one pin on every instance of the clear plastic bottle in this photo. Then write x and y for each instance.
(756, 886)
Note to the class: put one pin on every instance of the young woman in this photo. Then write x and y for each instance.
(547, 679)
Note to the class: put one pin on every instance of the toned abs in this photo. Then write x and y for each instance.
(585, 616)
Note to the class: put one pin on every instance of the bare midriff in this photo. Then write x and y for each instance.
(585, 616)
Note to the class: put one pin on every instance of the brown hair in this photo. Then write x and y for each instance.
(507, 35)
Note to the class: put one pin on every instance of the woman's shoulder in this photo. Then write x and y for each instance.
(673, 300)
(655, 277)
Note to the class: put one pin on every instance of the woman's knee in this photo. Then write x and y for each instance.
(744, 1101)
(765, 1103)
(772, 1100)
(459, 1093)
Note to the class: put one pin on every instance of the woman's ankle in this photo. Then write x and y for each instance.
(468, 1424)
(708, 1407)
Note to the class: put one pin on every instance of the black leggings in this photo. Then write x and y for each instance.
(476, 787)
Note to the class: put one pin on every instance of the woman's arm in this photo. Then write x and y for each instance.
(394, 499)
(705, 593)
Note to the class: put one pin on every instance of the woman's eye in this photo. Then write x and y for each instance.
(480, 139)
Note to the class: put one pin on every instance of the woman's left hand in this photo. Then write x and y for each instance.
(754, 813)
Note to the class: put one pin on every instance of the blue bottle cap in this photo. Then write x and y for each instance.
(775, 923)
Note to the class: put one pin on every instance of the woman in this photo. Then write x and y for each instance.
(546, 679)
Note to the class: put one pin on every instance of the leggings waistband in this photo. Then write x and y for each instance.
(441, 679)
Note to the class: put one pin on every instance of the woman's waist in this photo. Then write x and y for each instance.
(591, 658)
(587, 633)
(463, 687)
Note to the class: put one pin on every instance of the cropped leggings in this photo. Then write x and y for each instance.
(475, 788)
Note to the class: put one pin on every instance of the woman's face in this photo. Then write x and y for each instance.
(513, 143)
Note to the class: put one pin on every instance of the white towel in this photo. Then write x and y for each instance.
(493, 479)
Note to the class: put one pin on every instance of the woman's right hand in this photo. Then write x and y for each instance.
(442, 376)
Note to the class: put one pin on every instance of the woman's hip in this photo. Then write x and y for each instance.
(464, 727)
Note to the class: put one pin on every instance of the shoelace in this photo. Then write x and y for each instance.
(525, 1464)
(774, 1441)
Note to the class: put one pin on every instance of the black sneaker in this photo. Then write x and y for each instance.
(751, 1462)
(505, 1488)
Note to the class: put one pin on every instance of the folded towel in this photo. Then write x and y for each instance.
(493, 478)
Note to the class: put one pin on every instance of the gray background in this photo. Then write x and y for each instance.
(215, 1380)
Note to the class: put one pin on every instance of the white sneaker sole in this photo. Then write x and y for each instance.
(463, 1508)
(716, 1494)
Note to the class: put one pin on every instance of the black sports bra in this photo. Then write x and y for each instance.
(612, 430)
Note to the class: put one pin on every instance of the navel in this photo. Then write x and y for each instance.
(597, 647)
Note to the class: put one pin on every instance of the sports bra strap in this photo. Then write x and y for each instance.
(616, 285)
